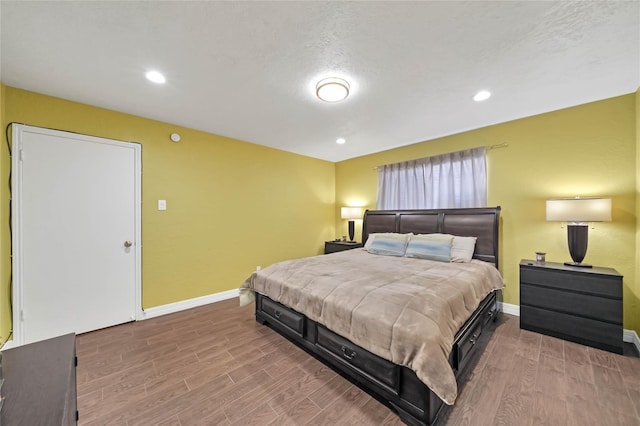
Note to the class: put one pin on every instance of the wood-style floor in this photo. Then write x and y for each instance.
(215, 365)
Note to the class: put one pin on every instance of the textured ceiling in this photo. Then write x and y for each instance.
(248, 70)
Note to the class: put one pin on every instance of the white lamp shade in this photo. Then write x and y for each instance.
(579, 210)
(351, 213)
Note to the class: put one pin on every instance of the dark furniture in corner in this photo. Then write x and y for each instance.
(394, 385)
(335, 246)
(576, 304)
(40, 383)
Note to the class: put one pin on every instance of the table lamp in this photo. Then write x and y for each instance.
(577, 212)
(351, 213)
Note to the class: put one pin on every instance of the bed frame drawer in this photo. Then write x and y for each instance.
(379, 369)
(283, 315)
(466, 344)
(489, 313)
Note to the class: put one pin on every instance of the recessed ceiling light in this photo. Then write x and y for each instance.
(156, 77)
(332, 89)
(482, 95)
(340, 141)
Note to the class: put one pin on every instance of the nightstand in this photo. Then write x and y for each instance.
(334, 246)
(583, 305)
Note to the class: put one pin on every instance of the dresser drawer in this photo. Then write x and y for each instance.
(599, 334)
(594, 307)
(283, 315)
(603, 285)
(379, 369)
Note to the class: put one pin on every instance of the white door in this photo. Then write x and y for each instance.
(76, 233)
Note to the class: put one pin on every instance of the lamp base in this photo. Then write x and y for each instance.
(578, 264)
(352, 229)
(578, 235)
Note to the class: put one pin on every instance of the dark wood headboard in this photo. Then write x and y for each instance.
(482, 223)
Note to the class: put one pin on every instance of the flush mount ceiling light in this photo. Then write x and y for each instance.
(332, 89)
(482, 95)
(156, 77)
(340, 141)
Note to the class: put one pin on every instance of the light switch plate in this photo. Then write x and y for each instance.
(162, 204)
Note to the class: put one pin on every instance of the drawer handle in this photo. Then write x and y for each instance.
(350, 355)
(474, 339)
(277, 314)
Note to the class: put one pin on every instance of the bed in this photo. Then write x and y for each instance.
(343, 308)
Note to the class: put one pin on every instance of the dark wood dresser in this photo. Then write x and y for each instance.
(334, 246)
(583, 305)
(40, 383)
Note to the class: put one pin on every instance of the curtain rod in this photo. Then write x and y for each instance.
(487, 147)
(498, 145)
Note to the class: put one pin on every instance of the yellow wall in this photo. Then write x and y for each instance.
(232, 205)
(586, 150)
(636, 291)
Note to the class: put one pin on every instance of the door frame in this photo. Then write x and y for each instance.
(17, 253)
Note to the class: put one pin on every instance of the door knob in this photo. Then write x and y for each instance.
(128, 244)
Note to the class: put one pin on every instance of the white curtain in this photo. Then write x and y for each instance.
(457, 179)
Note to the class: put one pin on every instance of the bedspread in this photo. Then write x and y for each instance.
(402, 309)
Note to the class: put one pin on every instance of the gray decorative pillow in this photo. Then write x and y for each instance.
(389, 244)
(430, 246)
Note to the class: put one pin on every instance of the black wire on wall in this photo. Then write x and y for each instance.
(9, 147)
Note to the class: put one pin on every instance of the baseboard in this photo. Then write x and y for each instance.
(8, 345)
(628, 336)
(510, 309)
(171, 308)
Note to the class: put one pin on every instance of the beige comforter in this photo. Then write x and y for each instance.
(402, 309)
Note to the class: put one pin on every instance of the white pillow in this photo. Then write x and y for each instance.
(373, 236)
(462, 248)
